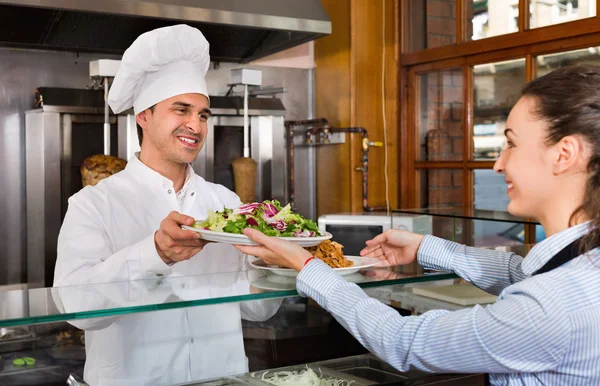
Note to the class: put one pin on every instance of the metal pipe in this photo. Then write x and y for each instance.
(312, 154)
(264, 91)
(291, 190)
(315, 131)
(289, 126)
(246, 128)
(364, 160)
(106, 120)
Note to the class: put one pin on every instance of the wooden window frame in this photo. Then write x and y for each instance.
(526, 43)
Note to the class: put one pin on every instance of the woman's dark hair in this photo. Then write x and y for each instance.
(140, 131)
(569, 100)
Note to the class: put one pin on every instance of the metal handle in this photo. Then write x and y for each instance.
(106, 120)
(366, 144)
(74, 380)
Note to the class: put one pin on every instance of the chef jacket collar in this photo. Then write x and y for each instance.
(153, 178)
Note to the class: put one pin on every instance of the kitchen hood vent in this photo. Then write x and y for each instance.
(237, 30)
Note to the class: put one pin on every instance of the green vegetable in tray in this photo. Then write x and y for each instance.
(24, 361)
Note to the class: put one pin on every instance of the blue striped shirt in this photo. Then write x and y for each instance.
(543, 330)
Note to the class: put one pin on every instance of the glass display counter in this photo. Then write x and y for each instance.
(480, 227)
(42, 342)
(263, 322)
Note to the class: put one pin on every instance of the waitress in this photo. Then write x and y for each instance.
(545, 327)
(128, 227)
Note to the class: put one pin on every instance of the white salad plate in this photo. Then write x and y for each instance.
(232, 238)
(286, 283)
(359, 263)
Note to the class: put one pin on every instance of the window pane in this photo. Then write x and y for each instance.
(496, 233)
(489, 190)
(549, 62)
(497, 87)
(453, 229)
(441, 188)
(431, 23)
(549, 12)
(487, 18)
(540, 234)
(489, 193)
(440, 119)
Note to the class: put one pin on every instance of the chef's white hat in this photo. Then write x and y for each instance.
(160, 64)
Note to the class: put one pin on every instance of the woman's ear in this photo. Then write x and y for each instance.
(568, 152)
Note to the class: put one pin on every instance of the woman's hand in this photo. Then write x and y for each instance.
(275, 251)
(394, 247)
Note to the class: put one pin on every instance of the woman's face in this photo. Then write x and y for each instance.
(526, 162)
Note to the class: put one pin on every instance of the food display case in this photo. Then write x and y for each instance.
(44, 330)
(42, 342)
(359, 370)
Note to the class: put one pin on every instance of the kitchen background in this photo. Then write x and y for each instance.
(358, 76)
(22, 71)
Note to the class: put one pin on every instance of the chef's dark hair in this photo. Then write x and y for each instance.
(569, 100)
(140, 131)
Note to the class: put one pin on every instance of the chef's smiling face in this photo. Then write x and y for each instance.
(175, 129)
(527, 162)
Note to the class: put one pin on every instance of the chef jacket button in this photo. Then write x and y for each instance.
(159, 274)
(192, 340)
(192, 194)
(169, 191)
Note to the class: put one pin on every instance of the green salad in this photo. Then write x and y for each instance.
(267, 216)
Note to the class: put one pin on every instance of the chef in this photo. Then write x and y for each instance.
(128, 226)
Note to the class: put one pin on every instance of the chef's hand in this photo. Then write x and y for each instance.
(394, 247)
(174, 244)
(275, 251)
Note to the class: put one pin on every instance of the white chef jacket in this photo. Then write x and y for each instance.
(108, 236)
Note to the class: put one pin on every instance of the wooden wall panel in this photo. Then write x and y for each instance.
(366, 74)
(332, 88)
(349, 92)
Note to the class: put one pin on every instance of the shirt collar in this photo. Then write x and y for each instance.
(152, 177)
(542, 252)
(189, 173)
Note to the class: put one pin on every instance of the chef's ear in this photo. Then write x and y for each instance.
(142, 118)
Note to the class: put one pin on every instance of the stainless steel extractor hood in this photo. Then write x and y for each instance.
(237, 30)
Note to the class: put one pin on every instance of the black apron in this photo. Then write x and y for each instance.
(565, 255)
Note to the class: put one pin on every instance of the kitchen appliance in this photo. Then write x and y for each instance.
(225, 143)
(239, 31)
(69, 126)
(359, 370)
(244, 168)
(352, 230)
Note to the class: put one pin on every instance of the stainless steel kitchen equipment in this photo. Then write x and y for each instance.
(58, 137)
(256, 378)
(15, 339)
(244, 30)
(360, 370)
(367, 367)
(68, 127)
(225, 143)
